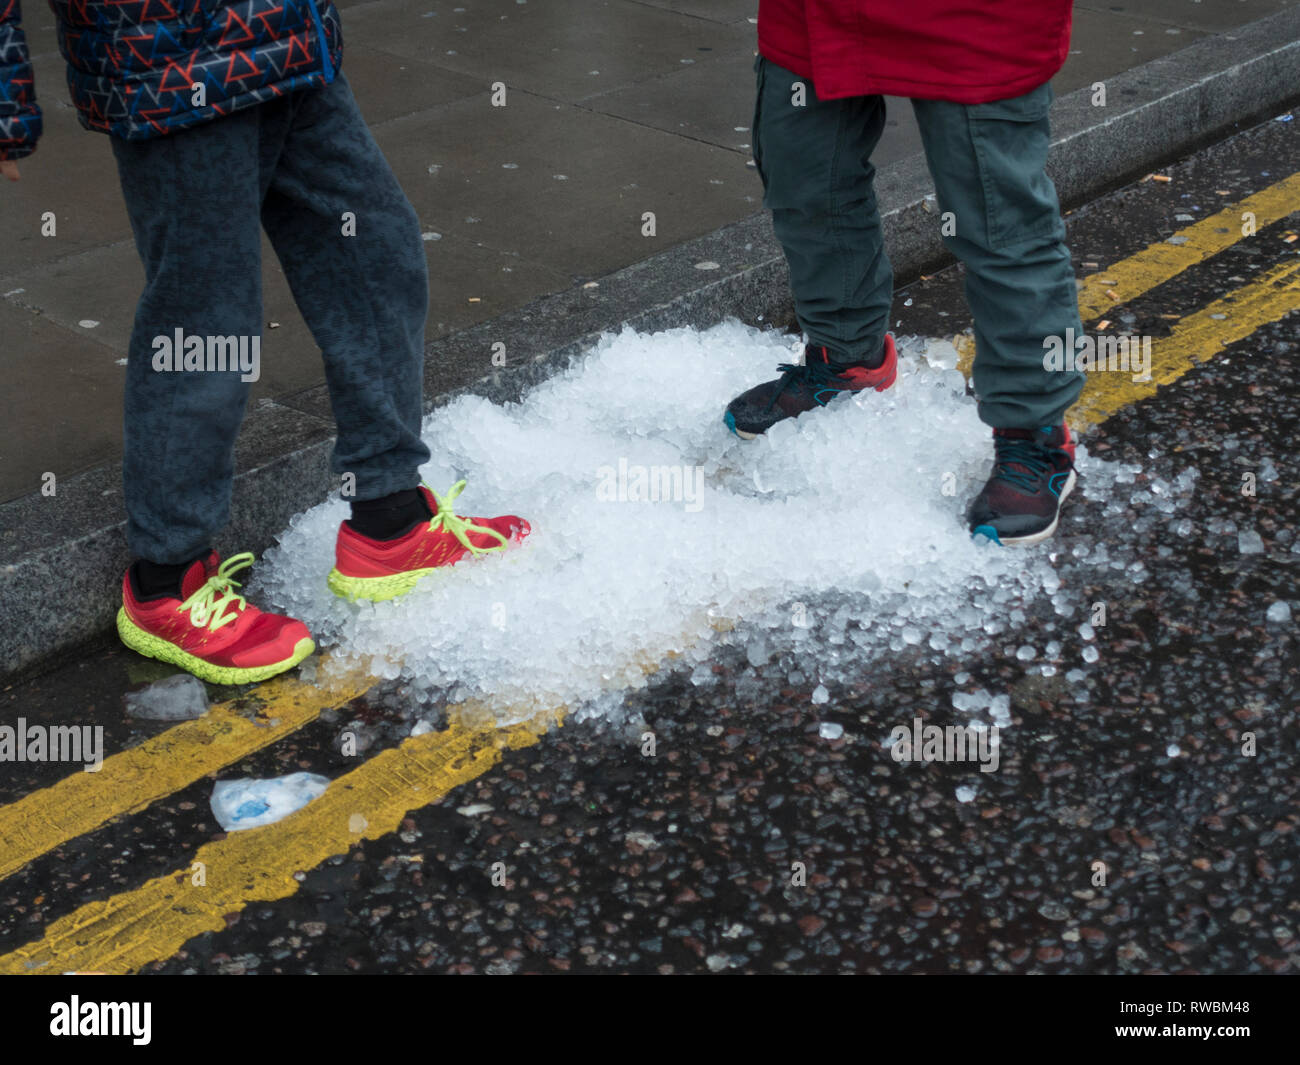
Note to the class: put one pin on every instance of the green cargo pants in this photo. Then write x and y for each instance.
(1003, 221)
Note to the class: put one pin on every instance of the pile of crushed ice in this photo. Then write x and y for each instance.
(655, 530)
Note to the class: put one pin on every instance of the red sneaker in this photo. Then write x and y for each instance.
(384, 569)
(210, 631)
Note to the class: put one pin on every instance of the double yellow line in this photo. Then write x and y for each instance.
(1198, 336)
(151, 922)
(131, 780)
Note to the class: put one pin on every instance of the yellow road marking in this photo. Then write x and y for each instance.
(174, 759)
(1194, 339)
(127, 931)
(1129, 278)
(1155, 265)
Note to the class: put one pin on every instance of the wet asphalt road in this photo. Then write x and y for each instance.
(682, 862)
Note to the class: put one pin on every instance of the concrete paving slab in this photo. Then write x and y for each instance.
(470, 282)
(1192, 14)
(714, 10)
(1103, 44)
(103, 286)
(386, 87)
(72, 173)
(712, 102)
(63, 438)
(486, 187)
(532, 46)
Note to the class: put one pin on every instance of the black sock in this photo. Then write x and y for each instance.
(390, 516)
(159, 580)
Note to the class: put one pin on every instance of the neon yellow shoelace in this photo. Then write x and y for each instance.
(210, 604)
(459, 527)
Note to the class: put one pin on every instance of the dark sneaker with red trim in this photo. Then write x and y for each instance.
(1033, 472)
(805, 387)
(210, 630)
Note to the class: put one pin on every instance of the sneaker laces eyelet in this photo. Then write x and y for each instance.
(1034, 460)
(813, 376)
(209, 604)
(447, 519)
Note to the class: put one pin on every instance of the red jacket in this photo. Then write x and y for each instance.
(966, 51)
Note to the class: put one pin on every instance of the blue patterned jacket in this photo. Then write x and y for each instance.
(144, 68)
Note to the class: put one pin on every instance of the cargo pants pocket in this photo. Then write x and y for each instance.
(1010, 139)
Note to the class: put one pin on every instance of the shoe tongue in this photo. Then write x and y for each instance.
(1017, 434)
(195, 577)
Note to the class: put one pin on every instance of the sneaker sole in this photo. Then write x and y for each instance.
(730, 419)
(1038, 537)
(152, 646)
(376, 589)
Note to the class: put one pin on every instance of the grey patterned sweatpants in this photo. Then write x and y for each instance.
(198, 200)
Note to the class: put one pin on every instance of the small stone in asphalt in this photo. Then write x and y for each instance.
(1279, 613)
(811, 924)
(1053, 911)
(1249, 542)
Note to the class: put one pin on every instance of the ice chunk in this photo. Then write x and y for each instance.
(251, 803)
(828, 730)
(1249, 542)
(657, 535)
(821, 695)
(1279, 613)
(179, 698)
(941, 355)
(702, 675)
(966, 793)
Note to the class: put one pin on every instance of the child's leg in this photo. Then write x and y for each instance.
(350, 245)
(988, 165)
(814, 158)
(193, 202)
